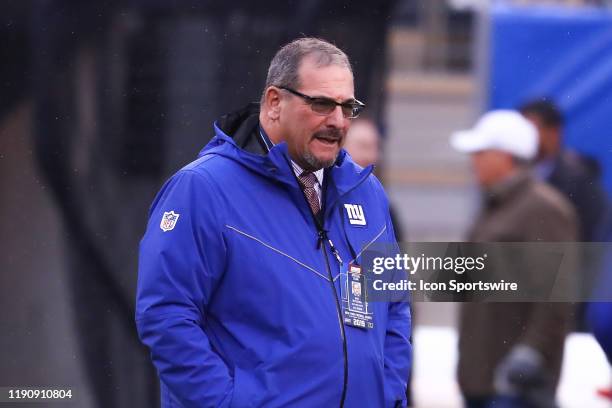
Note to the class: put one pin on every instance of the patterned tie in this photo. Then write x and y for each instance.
(308, 181)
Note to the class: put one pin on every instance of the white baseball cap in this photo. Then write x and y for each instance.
(504, 130)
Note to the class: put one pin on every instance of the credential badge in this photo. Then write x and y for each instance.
(355, 214)
(169, 220)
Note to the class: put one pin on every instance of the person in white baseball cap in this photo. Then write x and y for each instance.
(511, 355)
(499, 142)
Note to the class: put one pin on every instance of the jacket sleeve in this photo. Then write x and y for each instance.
(398, 348)
(179, 267)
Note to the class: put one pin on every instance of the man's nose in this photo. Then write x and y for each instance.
(336, 118)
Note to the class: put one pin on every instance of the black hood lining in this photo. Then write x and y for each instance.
(243, 127)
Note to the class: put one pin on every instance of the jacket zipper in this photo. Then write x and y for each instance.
(322, 239)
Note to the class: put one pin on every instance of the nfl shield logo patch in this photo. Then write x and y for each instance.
(169, 221)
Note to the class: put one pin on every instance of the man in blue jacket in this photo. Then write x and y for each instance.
(239, 296)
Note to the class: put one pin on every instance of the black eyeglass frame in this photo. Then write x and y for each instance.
(355, 106)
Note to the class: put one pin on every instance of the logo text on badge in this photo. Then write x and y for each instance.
(355, 214)
(169, 220)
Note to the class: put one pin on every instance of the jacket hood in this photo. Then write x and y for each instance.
(237, 138)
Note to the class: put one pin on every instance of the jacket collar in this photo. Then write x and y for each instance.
(506, 189)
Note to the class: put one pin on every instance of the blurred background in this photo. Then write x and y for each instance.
(101, 101)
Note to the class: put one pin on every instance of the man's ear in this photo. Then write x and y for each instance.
(272, 103)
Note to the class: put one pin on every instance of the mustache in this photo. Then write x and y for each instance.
(331, 133)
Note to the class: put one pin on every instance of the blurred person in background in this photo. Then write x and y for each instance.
(510, 353)
(577, 177)
(363, 142)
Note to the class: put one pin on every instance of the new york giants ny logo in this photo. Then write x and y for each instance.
(355, 214)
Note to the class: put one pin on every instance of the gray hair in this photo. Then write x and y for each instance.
(283, 70)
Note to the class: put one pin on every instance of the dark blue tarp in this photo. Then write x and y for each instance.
(562, 53)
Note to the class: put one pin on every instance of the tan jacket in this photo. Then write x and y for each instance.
(520, 209)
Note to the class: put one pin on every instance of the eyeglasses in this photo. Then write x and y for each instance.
(325, 106)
